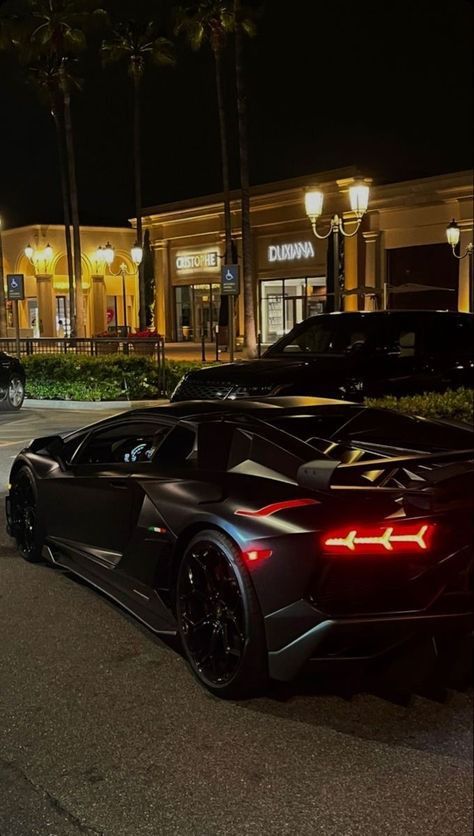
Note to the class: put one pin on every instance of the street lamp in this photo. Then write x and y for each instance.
(35, 255)
(107, 255)
(359, 200)
(453, 234)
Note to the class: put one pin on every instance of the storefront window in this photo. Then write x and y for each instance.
(197, 311)
(33, 317)
(63, 326)
(285, 302)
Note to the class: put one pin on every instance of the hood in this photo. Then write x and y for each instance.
(279, 369)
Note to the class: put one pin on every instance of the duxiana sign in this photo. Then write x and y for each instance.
(291, 252)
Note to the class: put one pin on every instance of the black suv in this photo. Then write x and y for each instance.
(350, 356)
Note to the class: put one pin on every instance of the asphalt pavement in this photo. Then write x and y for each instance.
(103, 729)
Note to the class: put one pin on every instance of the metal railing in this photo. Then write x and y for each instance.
(93, 346)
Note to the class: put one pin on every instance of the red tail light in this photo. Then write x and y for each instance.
(275, 507)
(390, 538)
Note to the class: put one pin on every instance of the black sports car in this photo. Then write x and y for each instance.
(12, 382)
(268, 535)
(350, 355)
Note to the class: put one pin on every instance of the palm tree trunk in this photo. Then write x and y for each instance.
(3, 310)
(78, 327)
(249, 306)
(226, 193)
(138, 195)
(224, 156)
(66, 212)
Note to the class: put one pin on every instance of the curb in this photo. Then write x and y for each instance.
(33, 403)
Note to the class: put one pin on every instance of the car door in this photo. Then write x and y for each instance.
(92, 501)
(400, 367)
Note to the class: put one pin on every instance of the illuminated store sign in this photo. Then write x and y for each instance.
(291, 252)
(197, 261)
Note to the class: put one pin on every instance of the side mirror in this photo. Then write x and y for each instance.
(51, 444)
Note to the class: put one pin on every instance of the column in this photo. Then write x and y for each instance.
(98, 305)
(46, 305)
(371, 267)
(164, 314)
(465, 268)
(351, 259)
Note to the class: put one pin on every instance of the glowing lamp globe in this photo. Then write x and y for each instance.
(453, 233)
(359, 198)
(109, 253)
(313, 202)
(136, 253)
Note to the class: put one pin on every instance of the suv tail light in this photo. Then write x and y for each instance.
(387, 539)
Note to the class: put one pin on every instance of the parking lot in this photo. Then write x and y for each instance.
(104, 730)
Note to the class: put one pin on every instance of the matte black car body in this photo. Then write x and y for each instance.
(270, 478)
(12, 382)
(350, 356)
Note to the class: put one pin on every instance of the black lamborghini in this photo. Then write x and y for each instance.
(268, 535)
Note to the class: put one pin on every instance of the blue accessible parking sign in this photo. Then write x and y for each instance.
(15, 286)
(230, 280)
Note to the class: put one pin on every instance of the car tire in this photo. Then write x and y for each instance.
(220, 623)
(14, 395)
(24, 525)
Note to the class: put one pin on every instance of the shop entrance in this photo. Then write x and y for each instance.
(197, 312)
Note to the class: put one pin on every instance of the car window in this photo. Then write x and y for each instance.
(455, 335)
(404, 335)
(124, 443)
(179, 449)
(329, 335)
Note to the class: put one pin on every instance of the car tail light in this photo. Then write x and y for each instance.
(394, 538)
(275, 507)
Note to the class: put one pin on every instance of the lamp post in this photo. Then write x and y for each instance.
(359, 200)
(453, 234)
(106, 255)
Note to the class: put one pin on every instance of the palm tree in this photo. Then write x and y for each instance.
(210, 22)
(138, 43)
(244, 25)
(57, 34)
(45, 76)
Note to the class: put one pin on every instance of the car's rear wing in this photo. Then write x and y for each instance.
(410, 472)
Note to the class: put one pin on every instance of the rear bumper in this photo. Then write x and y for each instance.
(362, 639)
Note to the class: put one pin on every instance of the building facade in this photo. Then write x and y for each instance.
(399, 258)
(45, 310)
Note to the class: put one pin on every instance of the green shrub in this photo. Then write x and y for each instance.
(454, 405)
(81, 377)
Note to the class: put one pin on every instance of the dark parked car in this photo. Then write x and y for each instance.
(266, 535)
(350, 356)
(12, 382)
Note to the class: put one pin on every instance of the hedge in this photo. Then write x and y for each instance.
(79, 377)
(453, 405)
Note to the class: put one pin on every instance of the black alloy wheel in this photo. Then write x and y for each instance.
(24, 517)
(219, 618)
(15, 394)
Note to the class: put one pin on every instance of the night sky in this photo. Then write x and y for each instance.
(384, 86)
